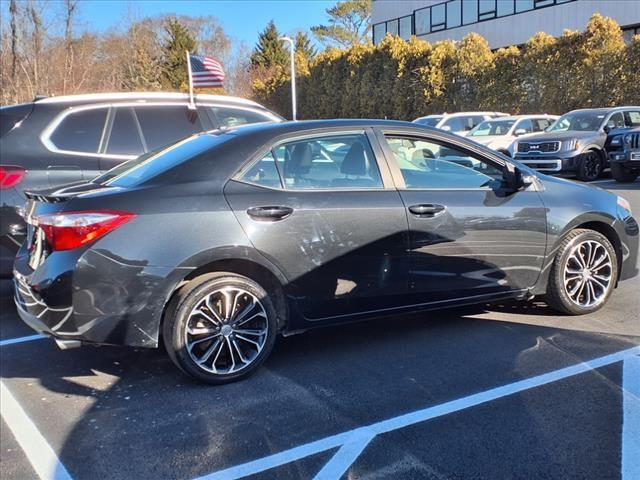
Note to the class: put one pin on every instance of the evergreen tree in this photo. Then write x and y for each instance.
(174, 73)
(304, 46)
(269, 51)
(142, 74)
(349, 24)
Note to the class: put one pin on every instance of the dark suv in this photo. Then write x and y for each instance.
(624, 156)
(577, 142)
(53, 141)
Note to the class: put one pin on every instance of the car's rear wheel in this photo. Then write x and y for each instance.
(590, 166)
(621, 174)
(220, 328)
(583, 274)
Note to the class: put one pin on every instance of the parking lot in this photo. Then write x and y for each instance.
(493, 391)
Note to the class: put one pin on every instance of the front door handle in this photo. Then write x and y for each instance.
(426, 209)
(269, 212)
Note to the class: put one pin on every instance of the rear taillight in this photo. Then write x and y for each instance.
(10, 176)
(69, 230)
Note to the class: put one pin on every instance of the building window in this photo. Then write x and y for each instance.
(392, 27)
(423, 21)
(524, 5)
(469, 12)
(438, 17)
(406, 29)
(504, 7)
(486, 9)
(379, 31)
(454, 13)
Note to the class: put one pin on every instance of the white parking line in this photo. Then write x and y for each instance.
(42, 457)
(28, 338)
(630, 467)
(350, 454)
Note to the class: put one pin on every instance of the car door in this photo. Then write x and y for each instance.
(323, 210)
(467, 238)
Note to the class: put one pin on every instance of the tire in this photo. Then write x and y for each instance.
(621, 174)
(200, 334)
(590, 166)
(564, 292)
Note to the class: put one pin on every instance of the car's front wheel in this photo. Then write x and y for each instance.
(590, 166)
(220, 328)
(583, 274)
(621, 174)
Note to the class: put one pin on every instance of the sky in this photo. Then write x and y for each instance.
(242, 19)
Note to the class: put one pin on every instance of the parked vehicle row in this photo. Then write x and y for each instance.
(220, 242)
(57, 140)
(577, 143)
(459, 123)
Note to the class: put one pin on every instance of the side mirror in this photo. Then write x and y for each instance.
(609, 126)
(515, 179)
(446, 128)
(519, 131)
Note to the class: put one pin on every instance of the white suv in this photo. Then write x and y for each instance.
(460, 122)
(499, 133)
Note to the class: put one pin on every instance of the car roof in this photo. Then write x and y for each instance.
(278, 128)
(520, 117)
(143, 96)
(606, 109)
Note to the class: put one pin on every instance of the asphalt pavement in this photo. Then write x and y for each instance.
(486, 392)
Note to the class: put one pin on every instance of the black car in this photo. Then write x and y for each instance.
(577, 142)
(624, 155)
(56, 140)
(224, 240)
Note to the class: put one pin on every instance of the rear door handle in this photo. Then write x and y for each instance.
(269, 212)
(427, 209)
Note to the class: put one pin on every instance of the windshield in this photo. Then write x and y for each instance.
(492, 127)
(585, 121)
(429, 121)
(146, 166)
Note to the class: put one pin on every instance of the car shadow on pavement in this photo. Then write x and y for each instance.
(131, 413)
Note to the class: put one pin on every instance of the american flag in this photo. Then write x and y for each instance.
(206, 72)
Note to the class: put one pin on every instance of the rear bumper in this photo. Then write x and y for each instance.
(90, 297)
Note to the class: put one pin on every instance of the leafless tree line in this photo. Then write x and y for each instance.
(44, 51)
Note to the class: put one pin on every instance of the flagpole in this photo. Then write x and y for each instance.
(292, 52)
(192, 105)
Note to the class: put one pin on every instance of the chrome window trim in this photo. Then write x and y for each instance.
(45, 136)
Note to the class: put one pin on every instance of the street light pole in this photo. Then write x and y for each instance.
(293, 74)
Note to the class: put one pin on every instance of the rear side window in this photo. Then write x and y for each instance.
(233, 117)
(80, 131)
(336, 162)
(632, 119)
(124, 138)
(541, 124)
(163, 125)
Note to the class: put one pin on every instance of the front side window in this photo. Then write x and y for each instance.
(541, 124)
(80, 131)
(124, 138)
(616, 120)
(165, 124)
(430, 165)
(333, 162)
(492, 127)
(525, 125)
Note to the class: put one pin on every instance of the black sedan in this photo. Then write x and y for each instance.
(222, 241)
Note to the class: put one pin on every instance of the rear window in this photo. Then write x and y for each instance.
(145, 167)
(80, 131)
(234, 117)
(10, 116)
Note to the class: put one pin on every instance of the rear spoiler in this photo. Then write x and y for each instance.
(43, 197)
